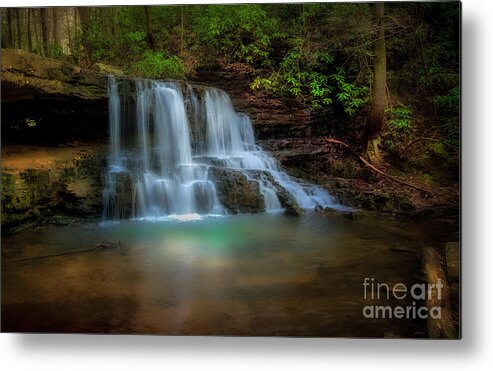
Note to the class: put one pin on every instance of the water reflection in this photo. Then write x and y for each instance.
(246, 275)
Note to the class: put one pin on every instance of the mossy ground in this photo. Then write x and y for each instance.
(49, 185)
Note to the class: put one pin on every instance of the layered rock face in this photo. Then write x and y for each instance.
(273, 117)
(239, 194)
(48, 101)
(54, 129)
(50, 185)
(236, 192)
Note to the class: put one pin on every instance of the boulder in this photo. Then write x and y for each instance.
(36, 66)
(288, 202)
(107, 69)
(236, 192)
(27, 75)
(329, 210)
(119, 194)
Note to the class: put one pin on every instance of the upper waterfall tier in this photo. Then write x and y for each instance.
(175, 151)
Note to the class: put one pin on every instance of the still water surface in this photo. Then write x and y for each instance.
(258, 274)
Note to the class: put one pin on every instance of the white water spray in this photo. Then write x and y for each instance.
(164, 170)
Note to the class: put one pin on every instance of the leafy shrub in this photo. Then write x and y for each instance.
(352, 96)
(400, 118)
(399, 129)
(157, 65)
(240, 33)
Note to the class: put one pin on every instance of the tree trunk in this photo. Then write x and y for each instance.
(10, 33)
(106, 20)
(29, 37)
(67, 27)
(85, 19)
(36, 33)
(181, 34)
(378, 102)
(114, 17)
(19, 33)
(76, 19)
(56, 30)
(44, 31)
(150, 38)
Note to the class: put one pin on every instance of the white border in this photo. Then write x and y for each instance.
(100, 352)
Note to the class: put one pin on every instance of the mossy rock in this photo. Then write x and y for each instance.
(25, 75)
(68, 189)
(107, 69)
(329, 210)
(406, 205)
(236, 192)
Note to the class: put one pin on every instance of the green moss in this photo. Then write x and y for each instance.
(16, 199)
(91, 92)
(68, 174)
(406, 205)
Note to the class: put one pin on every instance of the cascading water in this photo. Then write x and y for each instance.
(164, 169)
(230, 138)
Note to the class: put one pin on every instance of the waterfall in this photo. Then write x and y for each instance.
(115, 125)
(230, 138)
(178, 136)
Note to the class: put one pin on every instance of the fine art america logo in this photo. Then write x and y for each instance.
(418, 292)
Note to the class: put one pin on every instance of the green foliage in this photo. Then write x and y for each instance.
(312, 86)
(352, 96)
(136, 37)
(295, 79)
(400, 118)
(399, 130)
(157, 65)
(267, 84)
(237, 33)
(100, 41)
(449, 101)
(318, 66)
(319, 88)
(427, 56)
(438, 149)
(56, 51)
